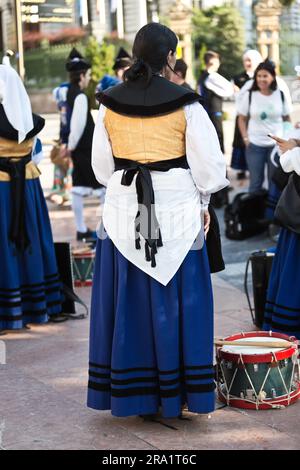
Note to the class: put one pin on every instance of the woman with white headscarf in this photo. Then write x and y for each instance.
(251, 59)
(30, 290)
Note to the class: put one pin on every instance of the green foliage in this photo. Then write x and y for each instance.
(45, 66)
(220, 28)
(287, 3)
(101, 56)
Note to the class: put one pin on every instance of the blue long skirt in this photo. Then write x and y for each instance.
(151, 345)
(238, 159)
(274, 194)
(30, 289)
(282, 311)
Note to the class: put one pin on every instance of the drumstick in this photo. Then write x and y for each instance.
(258, 344)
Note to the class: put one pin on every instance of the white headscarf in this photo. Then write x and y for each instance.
(254, 56)
(15, 101)
(6, 60)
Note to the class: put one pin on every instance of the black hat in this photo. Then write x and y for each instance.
(76, 61)
(122, 60)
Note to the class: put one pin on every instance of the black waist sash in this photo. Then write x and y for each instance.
(17, 172)
(146, 223)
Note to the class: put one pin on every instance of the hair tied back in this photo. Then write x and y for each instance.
(140, 70)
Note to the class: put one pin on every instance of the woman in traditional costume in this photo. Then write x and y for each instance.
(80, 125)
(282, 312)
(156, 150)
(30, 290)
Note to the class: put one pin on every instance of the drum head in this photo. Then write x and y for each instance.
(250, 350)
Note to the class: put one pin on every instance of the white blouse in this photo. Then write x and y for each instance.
(78, 120)
(219, 85)
(180, 194)
(290, 160)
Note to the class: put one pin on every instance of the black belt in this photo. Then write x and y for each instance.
(17, 172)
(146, 223)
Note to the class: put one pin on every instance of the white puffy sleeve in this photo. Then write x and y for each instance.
(204, 155)
(219, 85)
(78, 120)
(290, 160)
(102, 157)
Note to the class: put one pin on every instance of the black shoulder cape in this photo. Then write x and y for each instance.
(160, 97)
(8, 132)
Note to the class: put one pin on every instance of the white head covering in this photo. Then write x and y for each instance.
(15, 101)
(6, 60)
(254, 56)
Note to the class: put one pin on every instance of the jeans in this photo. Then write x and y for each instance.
(257, 158)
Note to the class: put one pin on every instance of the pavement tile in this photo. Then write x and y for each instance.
(34, 416)
(43, 386)
(227, 429)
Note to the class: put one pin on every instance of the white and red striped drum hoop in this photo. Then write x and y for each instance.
(240, 359)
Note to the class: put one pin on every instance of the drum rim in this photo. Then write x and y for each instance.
(282, 400)
(258, 358)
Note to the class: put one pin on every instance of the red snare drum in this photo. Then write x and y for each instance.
(83, 266)
(258, 378)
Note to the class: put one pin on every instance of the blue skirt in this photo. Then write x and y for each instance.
(282, 311)
(30, 289)
(274, 194)
(238, 159)
(151, 345)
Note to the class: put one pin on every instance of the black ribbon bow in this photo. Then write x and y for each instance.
(146, 223)
(17, 172)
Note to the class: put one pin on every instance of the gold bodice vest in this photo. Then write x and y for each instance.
(146, 139)
(11, 149)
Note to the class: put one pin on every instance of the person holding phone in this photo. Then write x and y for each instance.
(285, 145)
(262, 112)
(282, 311)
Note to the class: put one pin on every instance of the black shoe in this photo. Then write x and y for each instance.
(89, 235)
(184, 418)
(150, 417)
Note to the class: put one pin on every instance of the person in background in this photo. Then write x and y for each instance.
(30, 289)
(179, 74)
(79, 144)
(251, 59)
(282, 312)
(213, 88)
(262, 111)
(281, 84)
(122, 63)
(62, 183)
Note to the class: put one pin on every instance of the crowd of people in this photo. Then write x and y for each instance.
(155, 159)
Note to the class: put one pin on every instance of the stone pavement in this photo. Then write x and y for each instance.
(43, 387)
(43, 390)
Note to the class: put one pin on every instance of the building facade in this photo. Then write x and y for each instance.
(7, 25)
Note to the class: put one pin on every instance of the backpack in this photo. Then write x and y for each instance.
(244, 217)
